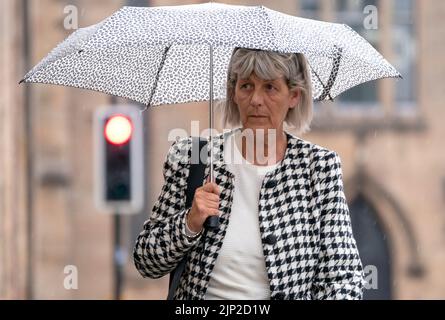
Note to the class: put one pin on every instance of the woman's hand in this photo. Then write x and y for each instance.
(205, 204)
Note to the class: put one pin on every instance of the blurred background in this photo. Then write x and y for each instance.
(56, 244)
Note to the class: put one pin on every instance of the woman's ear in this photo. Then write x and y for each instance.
(295, 98)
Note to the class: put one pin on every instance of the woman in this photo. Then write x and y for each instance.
(285, 229)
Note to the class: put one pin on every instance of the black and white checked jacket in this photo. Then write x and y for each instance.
(305, 226)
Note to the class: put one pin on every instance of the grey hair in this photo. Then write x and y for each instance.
(270, 65)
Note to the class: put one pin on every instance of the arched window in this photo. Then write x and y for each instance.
(372, 242)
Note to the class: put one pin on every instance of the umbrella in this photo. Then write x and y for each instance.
(147, 53)
(178, 54)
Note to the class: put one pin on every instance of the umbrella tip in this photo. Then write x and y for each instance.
(21, 81)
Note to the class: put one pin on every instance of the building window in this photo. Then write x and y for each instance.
(404, 51)
(310, 9)
(394, 37)
(351, 13)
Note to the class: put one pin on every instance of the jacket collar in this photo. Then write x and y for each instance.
(293, 153)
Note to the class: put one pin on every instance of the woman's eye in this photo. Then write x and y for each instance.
(245, 86)
(270, 87)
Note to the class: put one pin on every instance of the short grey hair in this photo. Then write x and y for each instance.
(270, 65)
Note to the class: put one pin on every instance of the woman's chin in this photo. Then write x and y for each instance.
(255, 126)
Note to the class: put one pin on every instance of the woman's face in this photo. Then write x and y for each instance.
(263, 104)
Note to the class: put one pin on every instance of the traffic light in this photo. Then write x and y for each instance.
(119, 158)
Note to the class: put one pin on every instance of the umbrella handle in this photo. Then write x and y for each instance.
(212, 223)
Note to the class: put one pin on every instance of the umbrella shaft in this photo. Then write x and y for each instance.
(211, 113)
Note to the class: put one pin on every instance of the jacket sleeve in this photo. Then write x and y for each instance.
(339, 273)
(163, 243)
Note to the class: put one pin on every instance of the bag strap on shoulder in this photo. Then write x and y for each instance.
(194, 181)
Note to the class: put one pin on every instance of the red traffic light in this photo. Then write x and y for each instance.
(118, 129)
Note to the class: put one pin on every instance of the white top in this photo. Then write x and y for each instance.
(240, 269)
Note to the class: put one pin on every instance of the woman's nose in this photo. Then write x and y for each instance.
(257, 98)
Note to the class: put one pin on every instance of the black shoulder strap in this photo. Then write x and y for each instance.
(195, 179)
(197, 169)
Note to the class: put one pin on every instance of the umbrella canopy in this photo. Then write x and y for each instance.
(162, 55)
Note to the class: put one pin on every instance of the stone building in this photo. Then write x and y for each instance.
(388, 134)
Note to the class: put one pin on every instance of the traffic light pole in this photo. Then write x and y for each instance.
(117, 257)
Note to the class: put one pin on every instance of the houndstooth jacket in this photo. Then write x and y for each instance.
(305, 226)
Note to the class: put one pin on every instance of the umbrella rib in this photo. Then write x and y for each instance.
(153, 90)
(334, 72)
(319, 80)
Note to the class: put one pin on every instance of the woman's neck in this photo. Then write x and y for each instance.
(262, 148)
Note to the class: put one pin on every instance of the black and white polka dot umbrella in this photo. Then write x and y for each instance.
(161, 55)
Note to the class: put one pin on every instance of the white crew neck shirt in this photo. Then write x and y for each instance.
(240, 268)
